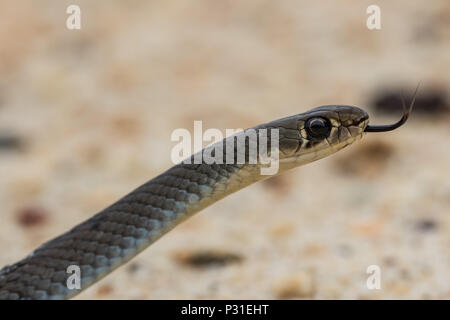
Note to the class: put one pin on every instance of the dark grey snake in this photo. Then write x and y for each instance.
(118, 233)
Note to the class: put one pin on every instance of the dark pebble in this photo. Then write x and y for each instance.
(208, 259)
(426, 225)
(133, 268)
(10, 142)
(429, 102)
(32, 216)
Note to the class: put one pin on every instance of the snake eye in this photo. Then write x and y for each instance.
(318, 128)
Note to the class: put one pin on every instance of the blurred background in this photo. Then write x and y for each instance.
(86, 116)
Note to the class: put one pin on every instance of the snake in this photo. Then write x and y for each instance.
(118, 233)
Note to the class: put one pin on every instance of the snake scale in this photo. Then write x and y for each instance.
(118, 233)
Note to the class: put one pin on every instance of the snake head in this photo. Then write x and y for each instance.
(317, 133)
(327, 129)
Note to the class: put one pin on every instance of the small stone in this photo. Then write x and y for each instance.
(207, 258)
(298, 285)
(10, 142)
(105, 289)
(32, 216)
(426, 225)
(133, 268)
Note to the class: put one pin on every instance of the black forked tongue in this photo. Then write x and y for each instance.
(399, 123)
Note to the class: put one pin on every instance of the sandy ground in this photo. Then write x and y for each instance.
(86, 116)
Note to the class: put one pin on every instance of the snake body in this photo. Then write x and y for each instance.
(118, 233)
